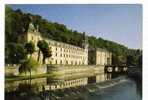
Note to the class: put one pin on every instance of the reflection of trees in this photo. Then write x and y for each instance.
(73, 93)
(24, 92)
(29, 65)
(28, 88)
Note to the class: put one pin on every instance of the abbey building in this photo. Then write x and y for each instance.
(66, 54)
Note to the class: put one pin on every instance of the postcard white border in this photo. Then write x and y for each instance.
(145, 31)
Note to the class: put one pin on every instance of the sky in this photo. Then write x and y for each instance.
(116, 22)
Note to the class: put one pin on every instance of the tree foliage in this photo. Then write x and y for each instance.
(28, 65)
(30, 48)
(14, 53)
(44, 48)
(17, 23)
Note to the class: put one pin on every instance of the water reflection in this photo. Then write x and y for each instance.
(126, 90)
(122, 91)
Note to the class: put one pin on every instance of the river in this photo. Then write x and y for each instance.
(123, 91)
(126, 90)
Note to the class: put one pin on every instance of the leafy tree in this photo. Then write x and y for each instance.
(14, 53)
(29, 65)
(140, 61)
(134, 57)
(131, 61)
(44, 48)
(16, 23)
(30, 48)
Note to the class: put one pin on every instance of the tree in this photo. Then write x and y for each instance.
(29, 65)
(30, 48)
(44, 48)
(16, 23)
(8, 22)
(131, 60)
(140, 61)
(14, 53)
(115, 60)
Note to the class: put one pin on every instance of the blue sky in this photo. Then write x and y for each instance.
(119, 23)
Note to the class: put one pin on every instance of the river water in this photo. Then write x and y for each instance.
(126, 90)
(123, 91)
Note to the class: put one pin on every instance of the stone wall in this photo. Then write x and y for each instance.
(14, 70)
(72, 72)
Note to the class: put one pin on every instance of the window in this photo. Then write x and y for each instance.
(75, 63)
(79, 62)
(108, 61)
(66, 62)
(56, 62)
(83, 62)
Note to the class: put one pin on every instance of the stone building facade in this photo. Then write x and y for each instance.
(62, 53)
(66, 54)
(98, 56)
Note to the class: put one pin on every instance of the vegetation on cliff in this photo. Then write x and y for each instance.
(17, 22)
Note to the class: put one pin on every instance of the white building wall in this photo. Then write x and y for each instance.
(62, 53)
(102, 56)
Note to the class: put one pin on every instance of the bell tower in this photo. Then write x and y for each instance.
(85, 47)
(84, 41)
(31, 28)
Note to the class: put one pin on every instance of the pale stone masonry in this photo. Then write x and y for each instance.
(66, 54)
(98, 56)
(62, 53)
(73, 72)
